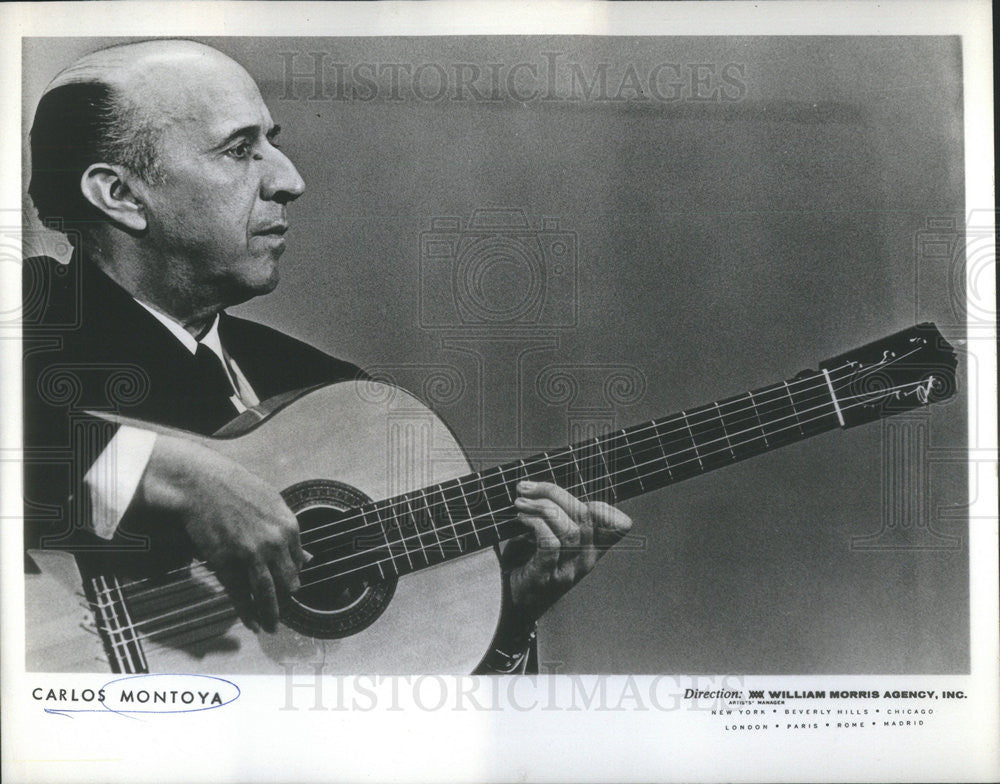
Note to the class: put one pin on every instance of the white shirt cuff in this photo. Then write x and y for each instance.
(113, 478)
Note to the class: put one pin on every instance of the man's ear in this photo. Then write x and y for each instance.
(105, 186)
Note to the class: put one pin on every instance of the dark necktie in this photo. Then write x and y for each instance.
(215, 390)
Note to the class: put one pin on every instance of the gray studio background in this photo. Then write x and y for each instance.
(718, 245)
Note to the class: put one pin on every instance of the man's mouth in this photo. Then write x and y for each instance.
(275, 230)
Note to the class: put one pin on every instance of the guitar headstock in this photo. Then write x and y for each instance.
(907, 370)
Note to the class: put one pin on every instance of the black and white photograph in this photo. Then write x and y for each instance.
(595, 398)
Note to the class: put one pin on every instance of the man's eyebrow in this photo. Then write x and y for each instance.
(250, 131)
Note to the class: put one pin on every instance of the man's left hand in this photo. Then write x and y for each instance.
(567, 537)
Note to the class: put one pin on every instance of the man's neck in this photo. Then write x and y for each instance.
(176, 304)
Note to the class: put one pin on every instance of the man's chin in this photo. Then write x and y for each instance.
(256, 286)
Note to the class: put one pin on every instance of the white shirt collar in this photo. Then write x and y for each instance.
(211, 338)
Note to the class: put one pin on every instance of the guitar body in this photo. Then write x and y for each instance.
(326, 449)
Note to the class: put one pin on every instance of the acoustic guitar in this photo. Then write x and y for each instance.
(405, 576)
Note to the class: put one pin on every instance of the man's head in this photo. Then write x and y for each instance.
(162, 153)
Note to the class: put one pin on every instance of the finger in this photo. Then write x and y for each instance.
(298, 555)
(575, 509)
(569, 503)
(547, 543)
(238, 588)
(565, 530)
(285, 573)
(610, 524)
(265, 598)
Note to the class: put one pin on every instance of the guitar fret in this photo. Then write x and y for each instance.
(472, 517)
(756, 413)
(710, 437)
(778, 420)
(501, 487)
(725, 432)
(451, 520)
(505, 484)
(624, 476)
(552, 471)
(794, 412)
(424, 546)
(489, 513)
(741, 425)
(481, 512)
(609, 482)
(590, 469)
(694, 444)
(579, 475)
(631, 454)
(430, 519)
(402, 535)
(663, 448)
(385, 536)
(678, 446)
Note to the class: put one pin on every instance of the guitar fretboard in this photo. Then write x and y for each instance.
(434, 524)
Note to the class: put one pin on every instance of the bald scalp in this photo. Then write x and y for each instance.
(111, 106)
(120, 65)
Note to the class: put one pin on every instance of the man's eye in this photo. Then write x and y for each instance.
(241, 150)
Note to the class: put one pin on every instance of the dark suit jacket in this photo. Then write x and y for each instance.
(88, 346)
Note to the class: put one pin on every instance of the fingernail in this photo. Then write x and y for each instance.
(309, 557)
(526, 485)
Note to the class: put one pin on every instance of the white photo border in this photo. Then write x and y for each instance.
(396, 739)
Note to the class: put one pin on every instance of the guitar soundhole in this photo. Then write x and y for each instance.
(330, 603)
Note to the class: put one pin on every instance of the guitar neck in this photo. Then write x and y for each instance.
(436, 523)
(908, 369)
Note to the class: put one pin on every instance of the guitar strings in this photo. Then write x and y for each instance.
(181, 627)
(544, 463)
(388, 505)
(657, 470)
(582, 485)
(385, 505)
(229, 611)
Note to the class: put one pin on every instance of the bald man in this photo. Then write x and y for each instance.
(160, 161)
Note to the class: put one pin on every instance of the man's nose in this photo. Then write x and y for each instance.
(281, 182)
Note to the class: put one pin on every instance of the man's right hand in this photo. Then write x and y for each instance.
(239, 524)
